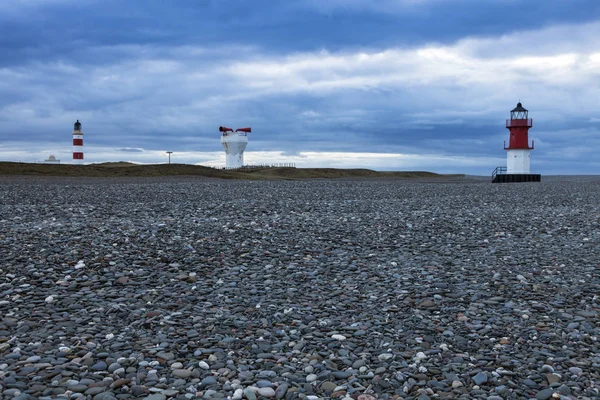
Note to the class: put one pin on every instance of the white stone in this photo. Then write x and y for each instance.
(338, 337)
(203, 365)
(266, 392)
(49, 299)
(385, 356)
(237, 395)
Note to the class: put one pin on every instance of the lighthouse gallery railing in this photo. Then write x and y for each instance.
(519, 122)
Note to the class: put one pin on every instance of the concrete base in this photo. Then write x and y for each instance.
(506, 178)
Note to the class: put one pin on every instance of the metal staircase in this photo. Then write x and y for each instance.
(498, 171)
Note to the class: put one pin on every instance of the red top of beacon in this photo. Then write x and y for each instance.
(518, 125)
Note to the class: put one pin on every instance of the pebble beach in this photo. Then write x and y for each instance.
(185, 288)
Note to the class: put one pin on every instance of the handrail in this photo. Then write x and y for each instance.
(510, 123)
(519, 148)
(257, 166)
(498, 171)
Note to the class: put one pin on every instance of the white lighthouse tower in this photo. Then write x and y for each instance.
(77, 143)
(234, 143)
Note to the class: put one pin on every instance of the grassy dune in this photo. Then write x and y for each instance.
(125, 169)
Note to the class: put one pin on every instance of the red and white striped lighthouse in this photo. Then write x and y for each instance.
(518, 151)
(518, 155)
(77, 143)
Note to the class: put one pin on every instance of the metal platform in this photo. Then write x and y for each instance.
(509, 178)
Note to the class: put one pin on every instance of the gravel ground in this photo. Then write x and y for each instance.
(187, 288)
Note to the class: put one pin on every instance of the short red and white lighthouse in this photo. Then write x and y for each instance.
(518, 155)
(518, 152)
(77, 143)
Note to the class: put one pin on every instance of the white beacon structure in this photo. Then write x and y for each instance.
(234, 143)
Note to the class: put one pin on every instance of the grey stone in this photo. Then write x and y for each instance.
(480, 378)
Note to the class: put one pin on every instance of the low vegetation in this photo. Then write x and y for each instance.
(125, 169)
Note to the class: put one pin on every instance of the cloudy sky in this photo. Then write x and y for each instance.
(381, 84)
